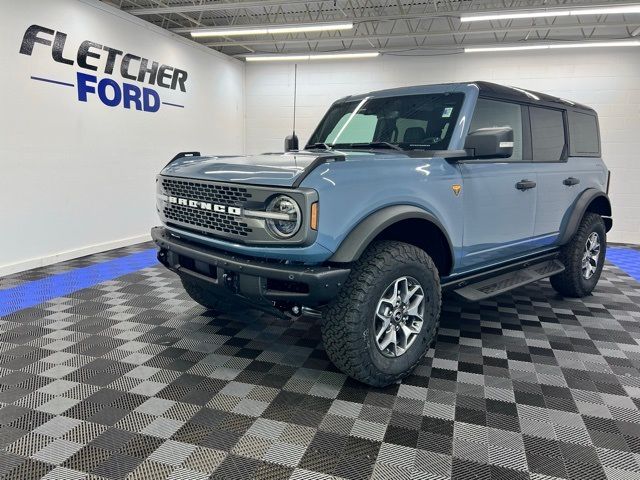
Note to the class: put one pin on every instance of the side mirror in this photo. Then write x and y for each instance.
(291, 143)
(490, 143)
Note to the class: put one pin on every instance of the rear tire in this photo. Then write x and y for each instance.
(369, 314)
(583, 258)
(199, 293)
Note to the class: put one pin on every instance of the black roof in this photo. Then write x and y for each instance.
(516, 94)
(487, 89)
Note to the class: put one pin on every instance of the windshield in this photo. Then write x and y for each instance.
(410, 122)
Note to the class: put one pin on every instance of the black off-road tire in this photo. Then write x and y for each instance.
(348, 322)
(571, 282)
(200, 293)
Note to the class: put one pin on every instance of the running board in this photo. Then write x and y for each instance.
(508, 281)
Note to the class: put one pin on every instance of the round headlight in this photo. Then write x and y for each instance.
(289, 224)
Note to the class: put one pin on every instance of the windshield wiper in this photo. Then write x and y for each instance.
(376, 145)
(319, 145)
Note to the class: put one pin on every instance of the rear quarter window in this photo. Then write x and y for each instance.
(584, 137)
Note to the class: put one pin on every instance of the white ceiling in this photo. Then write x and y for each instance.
(402, 27)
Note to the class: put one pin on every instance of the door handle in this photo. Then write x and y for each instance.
(525, 184)
(571, 181)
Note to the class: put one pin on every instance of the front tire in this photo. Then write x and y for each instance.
(583, 258)
(384, 319)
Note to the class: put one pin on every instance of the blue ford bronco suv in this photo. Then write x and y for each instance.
(399, 195)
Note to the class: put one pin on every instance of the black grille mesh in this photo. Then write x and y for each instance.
(205, 219)
(209, 192)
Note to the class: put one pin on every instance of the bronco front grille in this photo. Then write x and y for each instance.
(209, 192)
(205, 220)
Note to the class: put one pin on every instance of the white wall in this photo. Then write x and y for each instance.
(79, 177)
(606, 79)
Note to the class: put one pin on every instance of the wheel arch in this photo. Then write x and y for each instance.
(400, 223)
(591, 200)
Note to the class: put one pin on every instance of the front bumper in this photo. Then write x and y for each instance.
(262, 283)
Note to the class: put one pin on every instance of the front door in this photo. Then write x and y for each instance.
(499, 211)
(499, 195)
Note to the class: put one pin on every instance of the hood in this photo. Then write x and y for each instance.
(280, 169)
(274, 169)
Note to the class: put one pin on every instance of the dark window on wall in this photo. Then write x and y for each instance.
(583, 132)
(547, 134)
(492, 113)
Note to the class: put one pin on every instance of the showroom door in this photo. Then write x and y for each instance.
(499, 194)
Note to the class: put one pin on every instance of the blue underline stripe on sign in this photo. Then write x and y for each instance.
(173, 104)
(626, 259)
(33, 293)
(48, 80)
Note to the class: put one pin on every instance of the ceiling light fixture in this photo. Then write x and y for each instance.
(553, 13)
(504, 49)
(634, 43)
(309, 56)
(271, 29)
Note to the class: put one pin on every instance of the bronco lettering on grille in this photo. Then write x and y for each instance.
(214, 207)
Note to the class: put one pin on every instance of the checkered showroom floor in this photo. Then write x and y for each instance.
(109, 371)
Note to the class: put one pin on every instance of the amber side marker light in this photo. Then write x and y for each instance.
(314, 216)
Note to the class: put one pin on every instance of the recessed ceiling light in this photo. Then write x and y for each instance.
(309, 56)
(270, 29)
(621, 9)
(627, 43)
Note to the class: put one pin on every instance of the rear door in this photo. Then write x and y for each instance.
(562, 175)
(499, 194)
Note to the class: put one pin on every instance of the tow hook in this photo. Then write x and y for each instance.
(291, 311)
(229, 280)
(162, 256)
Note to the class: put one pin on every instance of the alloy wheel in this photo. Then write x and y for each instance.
(591, 255)
(399, 316)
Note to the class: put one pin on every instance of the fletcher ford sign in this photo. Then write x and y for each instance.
(93, 56)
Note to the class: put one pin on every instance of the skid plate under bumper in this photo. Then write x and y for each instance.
(262, 283)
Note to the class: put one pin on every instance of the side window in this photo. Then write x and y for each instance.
(583, 132)
(547, 134)
(359, 129)
(492, 113)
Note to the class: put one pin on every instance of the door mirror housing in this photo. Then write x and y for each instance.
(490, 143)
(291, 143)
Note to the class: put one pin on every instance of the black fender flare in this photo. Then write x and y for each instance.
(580, 206)
(368, 229)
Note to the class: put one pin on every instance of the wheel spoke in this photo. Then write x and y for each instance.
(411, 292)
(388, 339)
(409, 330)
(390, 298)
(415, 307)
(402, 288)
(383, 328)
(402, 338)
(384, 311)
